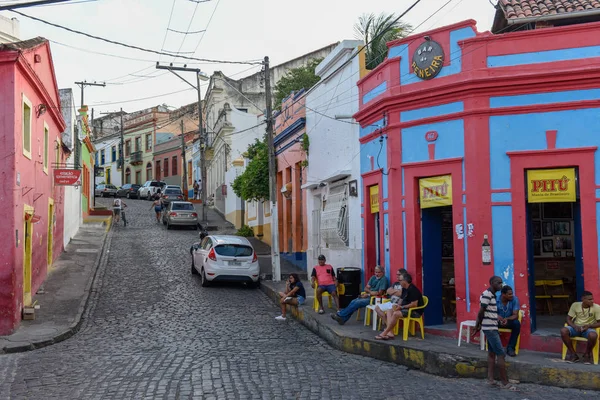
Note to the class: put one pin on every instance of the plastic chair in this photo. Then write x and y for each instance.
(544, 296)
(409, 321)
(371, 302)
(371, 308)
(574, 341)
(506, 330)
(325, 294)
(559, 295)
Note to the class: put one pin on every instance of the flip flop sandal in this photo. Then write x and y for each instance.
(509, 387)
(321, 311)
(492, 383)
(390, 337)
(381, 337)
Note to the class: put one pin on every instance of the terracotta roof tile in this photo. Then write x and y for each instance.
(515, 9)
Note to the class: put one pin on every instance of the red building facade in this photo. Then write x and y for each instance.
(30, 143)
(465, 140)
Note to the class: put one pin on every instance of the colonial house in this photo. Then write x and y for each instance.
(331, 187)
(33, 207)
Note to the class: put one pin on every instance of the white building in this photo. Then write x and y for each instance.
(333, 174)
(72, 201)
(9, 30)
(107, 158)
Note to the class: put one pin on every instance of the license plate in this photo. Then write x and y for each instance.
(235, 263)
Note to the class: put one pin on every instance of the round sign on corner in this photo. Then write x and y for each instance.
(428, 60)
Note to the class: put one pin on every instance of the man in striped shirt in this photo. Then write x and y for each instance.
(487, 321)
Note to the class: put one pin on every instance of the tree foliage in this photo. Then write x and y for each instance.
(296, 79)
(253, 183)
(380, 29)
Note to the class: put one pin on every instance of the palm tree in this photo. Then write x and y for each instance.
(380, 30)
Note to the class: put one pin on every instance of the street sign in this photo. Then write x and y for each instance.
(67, 177)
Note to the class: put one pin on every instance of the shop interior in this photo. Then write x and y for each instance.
(555, 235)
(438, 266)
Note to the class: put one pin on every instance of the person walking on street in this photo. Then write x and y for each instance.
(294, 295)
(117, 207)
(487, 321)
(196, 189)
(508, 317)
(324, 275)
(157, 204)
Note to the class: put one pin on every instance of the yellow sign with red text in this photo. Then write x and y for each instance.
(435, 191)
(551, 185)
(374, 198)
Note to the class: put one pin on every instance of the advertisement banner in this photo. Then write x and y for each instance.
(435, 191)
(551, 185)
(67, 177)
(374, 196)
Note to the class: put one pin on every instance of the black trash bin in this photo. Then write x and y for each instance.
(350, 278)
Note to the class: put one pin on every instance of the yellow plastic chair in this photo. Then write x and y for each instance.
(544, 296)
(409, 322)
(370, 312)
(506, 330)
(574, 340)
(555, 284)
(325, 294)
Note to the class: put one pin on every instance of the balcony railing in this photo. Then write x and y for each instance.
(136, 158)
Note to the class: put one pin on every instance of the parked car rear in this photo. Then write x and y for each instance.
(129, 190)
(180, 213)
(106, 190)
(150, 188)
(171, 194)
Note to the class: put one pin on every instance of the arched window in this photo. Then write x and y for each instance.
(149, 171)
(127, 175)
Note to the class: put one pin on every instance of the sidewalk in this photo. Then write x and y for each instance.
(64, 294)
(436, 355)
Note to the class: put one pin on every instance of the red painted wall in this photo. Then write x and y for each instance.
(24, 179)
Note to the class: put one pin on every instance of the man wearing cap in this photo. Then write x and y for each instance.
(376, 286)
(325, 277)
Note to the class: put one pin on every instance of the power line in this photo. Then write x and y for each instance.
(132, 46)
(187, 30)
(13, 6)
(207, 25)
(168, 26)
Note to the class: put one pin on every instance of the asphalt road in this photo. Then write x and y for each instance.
(152, 332)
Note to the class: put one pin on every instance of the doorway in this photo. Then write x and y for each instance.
(27, 247)
(438, 265)
(554, 254)
(50, 237)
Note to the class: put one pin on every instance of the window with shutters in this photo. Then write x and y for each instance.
(334, 218)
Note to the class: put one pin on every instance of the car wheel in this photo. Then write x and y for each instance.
(194, 270)
(102, 195)
(203, 281)
(256, 284)
(127, 195)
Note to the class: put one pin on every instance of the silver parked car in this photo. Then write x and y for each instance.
(219, 258)
(105, 190)
(180, 213)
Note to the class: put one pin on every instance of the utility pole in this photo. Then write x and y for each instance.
(272, 179)
(199, 76)
(83, 84)
(121, 156)
(185, 185)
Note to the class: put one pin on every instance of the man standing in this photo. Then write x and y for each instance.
(508, 317)
(324, 275)
(375, 287)
(582, 320)
(487, 320)
(196, 189)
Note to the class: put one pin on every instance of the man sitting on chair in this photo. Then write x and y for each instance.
(583, 318)
(411, 297)
(508, 317)
(376, 287)
(395, 291)
(325, 276)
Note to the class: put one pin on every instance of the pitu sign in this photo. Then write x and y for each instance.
(551, 185)
(374, 198)
(435, 191)
(428, 59)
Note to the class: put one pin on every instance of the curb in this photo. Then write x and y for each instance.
(75, 326)
(442, 364)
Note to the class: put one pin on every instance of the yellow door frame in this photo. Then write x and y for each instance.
(50, 237)
(27, 250)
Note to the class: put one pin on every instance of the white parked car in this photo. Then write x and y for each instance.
(220, 258)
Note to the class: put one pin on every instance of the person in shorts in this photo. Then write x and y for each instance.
(395, 293)
(157, 205)
(118, 205)
(582, 320)
(294, 295)
(324, 274)
(411, 297)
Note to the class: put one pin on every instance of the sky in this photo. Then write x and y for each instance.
(234, 30)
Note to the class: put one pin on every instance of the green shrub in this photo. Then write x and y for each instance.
(245, 231)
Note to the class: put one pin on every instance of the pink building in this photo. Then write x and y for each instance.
(291, 143)
(31, 123)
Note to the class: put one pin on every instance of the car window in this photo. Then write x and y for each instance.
(173, 191)
(234, 250)
(206, 243)
(100, 186)
(182, 206)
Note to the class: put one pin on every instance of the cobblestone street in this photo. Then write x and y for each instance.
(151, 331)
